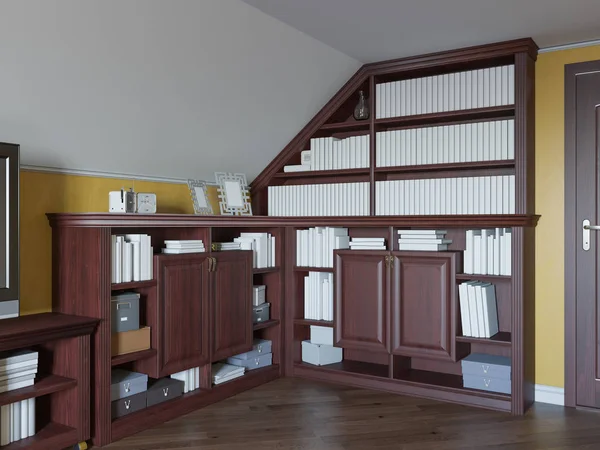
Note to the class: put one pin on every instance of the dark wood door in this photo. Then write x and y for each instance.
(232, 305)
(423, 304)
(583, 120)
(361, 306)
(183, 283)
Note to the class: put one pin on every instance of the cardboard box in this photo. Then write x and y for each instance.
(130, 341)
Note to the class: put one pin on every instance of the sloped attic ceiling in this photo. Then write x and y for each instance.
(176, 89)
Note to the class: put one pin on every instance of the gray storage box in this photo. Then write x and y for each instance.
(258, 295)
(125, 312)
(487, 366)
(162, 390)
(261, 313)
(500, 385)
(259, 348)
(124, 406)
(125, 383)
(254, 363)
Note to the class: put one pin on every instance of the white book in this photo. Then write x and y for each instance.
(498, 86)
(418, 96)
(113, 259)
(196, 377)
(473, 89)
(473, 313)
(391, 98)
(511, 139)
(31, 420)
(423, 247)
(17, 380)
(425, 241)
(490, 247)
(378, 96)
(508, 251)
(468, 255)
(296, 168)
(325, 297)
(486, 88)
(490, 309)
(505, 83)
(481, 322)
(477, 251)
(465, 318)
(468, 93)
(119, 260)
(14, 386)
(480, 88)
(511, 194)
(497, 251)
(16, 421)
(5, 425)
(307, 297)
(511, 84)
(446, 92)
(24, 419)
(136, 261)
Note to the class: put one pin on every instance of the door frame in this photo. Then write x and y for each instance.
(571, 228)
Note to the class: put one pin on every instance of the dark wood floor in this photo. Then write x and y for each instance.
(292, 414)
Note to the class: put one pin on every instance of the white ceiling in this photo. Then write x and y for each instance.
(376, 30)
(175, 89)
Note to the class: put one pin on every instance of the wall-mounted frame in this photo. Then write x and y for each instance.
(199, 193)
(234, 195)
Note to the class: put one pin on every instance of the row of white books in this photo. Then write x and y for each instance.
(423, 240)
(342, 199)
(488, 252)
(318, 296)
(315, 246)
(367, 243)
(478, 309)
(18, 370)
(263, 246)
(184, 246)
(222, 372)
(330, 153)
(190, 378)
(131, 258)
(446, 196)
(467, 142)
(17, 421)
(448, 92)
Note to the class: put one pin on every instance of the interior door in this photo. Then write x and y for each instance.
(584, 121)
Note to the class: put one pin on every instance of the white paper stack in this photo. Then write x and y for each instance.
(318, 296)
(328, 153)
(367, 244)
(222, 372)
(488, 252)
(315, 246)
(478, 309)
(226, 246)
(183, 246)
(423, 240)
(263, 246)
(190, 378)
(131, 258)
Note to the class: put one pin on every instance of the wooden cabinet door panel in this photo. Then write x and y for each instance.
(361, 307)
(423, 304)
(184, 312)
(232, 305)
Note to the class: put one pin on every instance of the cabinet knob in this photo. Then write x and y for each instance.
(166, 392)
(127, 404)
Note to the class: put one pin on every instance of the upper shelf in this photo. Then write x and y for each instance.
(351, 125)
(58, 220)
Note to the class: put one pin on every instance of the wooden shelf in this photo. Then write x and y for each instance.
(51, 436)
(132, 285)
(135, 356)
(265, 270)
(308, 322)
(313, 269)
(454, 167)
(502, 338)
(249, 375)
(354, 367)
(350, 125)
(475, 277)
(46, 385)
(267, 324)
(324, 173)
(494, 112)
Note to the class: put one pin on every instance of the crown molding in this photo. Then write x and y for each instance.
(573, 45)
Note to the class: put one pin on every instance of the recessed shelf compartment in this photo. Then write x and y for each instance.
(135, 356)
(132, 285)
(502, 338)
(309, 322)
(267, 324)
(45, 385)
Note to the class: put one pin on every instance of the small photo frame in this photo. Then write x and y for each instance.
(234, 195)
(199, 194)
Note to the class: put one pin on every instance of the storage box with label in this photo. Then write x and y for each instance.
(128, 405)
(259, 347)
(125, 312)
(125, 383)
(259, 295)
(321, 335)
(487, 373)
(321, 355)
(252, 363)
(130, 341)
(261, 313)
(162, 390)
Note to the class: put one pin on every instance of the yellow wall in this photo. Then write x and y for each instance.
(549, 282)
(42, 193)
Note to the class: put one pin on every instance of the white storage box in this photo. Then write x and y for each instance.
(321, 335)
(320, 355)
(258, 295)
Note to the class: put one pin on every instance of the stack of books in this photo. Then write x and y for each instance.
(225, 246)
(222, 372)
(367, 244)
(330, 153)
(131, 258)
(315, 246)
(488, 252)
(478, 309)
(423, 240)
(318, 296)
(17, 420)
(179, 247)
(263, 246)
(190, 378)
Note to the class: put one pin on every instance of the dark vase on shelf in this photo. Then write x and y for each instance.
(361, 111)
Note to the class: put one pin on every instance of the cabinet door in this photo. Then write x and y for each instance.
(423, 304)
(361, 307)
(183, 284)
(232, 306)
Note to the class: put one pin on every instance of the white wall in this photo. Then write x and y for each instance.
(177, 89)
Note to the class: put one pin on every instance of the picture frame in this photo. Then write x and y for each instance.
(234, 194)
(199, 193)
